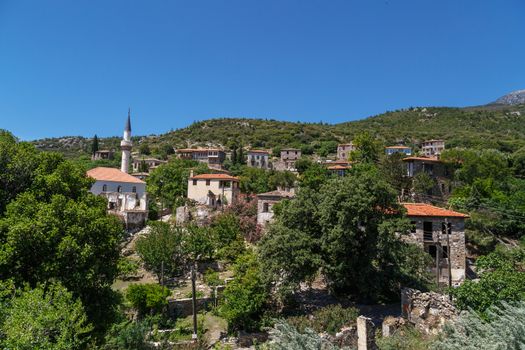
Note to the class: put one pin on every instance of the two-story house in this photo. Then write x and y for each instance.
(265, 203)
(213, 157)
(344, 149)
(288, 158)
(214, 190)
(126, 195)
(441, 233)
(146, 164)
(258, 159)
(437, 170)
(431, 148)
(103, 155)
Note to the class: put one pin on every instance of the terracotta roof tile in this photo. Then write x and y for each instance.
(276, 193)
(215, 177)
(398, 147)
(423, 159)
(422, 209)
(112, 174)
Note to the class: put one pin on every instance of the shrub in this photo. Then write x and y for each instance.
(147, 298)
(212, 279)
(405, 338)
(127, 268)
(328, 319)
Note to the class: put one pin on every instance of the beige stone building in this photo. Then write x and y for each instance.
(344, 149)
(265, 203)
(438, 171)
(258, 159)
(149, 163)
(432, 148)
(441, 233)
(214, 190)
(288, 158)
(103, 155)
(213, 157)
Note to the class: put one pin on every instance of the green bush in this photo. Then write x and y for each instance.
(212, 279)
(147, 298)
(328, 319)
(127, 268)
(405, 338)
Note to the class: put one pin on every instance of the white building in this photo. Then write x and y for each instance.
(214, 190)
(126, 194)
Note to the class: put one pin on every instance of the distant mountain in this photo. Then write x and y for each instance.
(514, 98)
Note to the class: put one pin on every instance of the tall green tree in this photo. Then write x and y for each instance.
(94, 145)
(367, 148)
(346, 229)
(45, 318)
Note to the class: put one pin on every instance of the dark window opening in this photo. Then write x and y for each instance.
(412, 226)
(446, 228)
(266, 207)
(427, 231)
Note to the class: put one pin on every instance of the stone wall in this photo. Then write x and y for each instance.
(427, 311)
(184, 308)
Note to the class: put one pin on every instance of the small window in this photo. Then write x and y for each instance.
(446, 227)
(104, 188)
(445, 252)
(119, 189)
(266, 208)
(134, 189)
(207, 182)
(432, 250)
(194, 182)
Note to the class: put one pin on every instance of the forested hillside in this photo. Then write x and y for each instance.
(500, 127)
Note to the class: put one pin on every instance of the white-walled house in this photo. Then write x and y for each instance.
(214, 190)
(126, 195)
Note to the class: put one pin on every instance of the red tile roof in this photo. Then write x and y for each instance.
(188, 150)
(423, 159)
(258, 151)
(422, 209)
(215, 177)
(338, 167)
(276, 193)
(112, 174)
(398, 147)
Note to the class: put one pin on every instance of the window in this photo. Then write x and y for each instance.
(119, 189)
(266, 207)
(444, 250)
(207, 182)
(134, 189)
(446, 228)
(432, 250)
(226, 184)
(104, 188)
(427, 231)
(194, 182)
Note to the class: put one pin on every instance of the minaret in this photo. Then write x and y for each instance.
(125, 145)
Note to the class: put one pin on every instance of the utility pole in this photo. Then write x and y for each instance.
(438, 257)
(448, 232)
(194, 301)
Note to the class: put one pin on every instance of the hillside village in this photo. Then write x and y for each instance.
(221, 240)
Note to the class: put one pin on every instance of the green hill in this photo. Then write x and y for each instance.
(501, 127)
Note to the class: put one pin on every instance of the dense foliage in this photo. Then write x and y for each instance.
(347, 229)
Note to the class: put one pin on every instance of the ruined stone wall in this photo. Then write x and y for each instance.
(427, 311)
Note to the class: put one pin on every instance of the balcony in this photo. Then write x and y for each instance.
(428, 236)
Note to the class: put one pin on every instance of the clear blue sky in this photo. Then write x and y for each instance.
(73, 67)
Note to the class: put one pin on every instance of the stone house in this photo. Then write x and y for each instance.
(213, 157)
(441, 233)
(344, 149)
(431, 148)
(258, 159)
(398, 149)
(126, 195)
(265, 202)
(103, 154)
(438, 171)
(213, 190)
(288, 158)
(150, 164)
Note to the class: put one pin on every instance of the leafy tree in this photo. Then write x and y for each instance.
(147, 298)
(162, 245)
(246, 211)
(199, 243)
(501, 278)
(254, 180)
(518, 162)
(245, 297)
(326, 148)
(367, 148)
(314, 176)
(347, 229)
(169, 182)
(128, 335)
(394, 171)
(144, 149)
(94, 145)
(228, 236)
(422, 185)
(47, 318)
(18, 161)
(284, 179)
